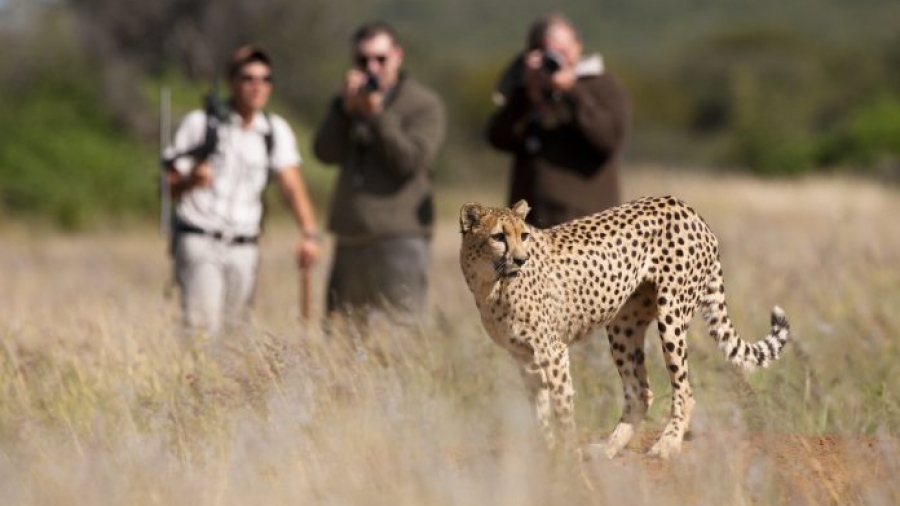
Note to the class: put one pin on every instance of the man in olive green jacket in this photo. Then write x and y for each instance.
(384, 130)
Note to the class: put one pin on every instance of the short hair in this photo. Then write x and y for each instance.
(373, 28)
(245, 54)
(538, 30)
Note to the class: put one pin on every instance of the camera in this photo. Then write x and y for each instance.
(372, 84)
(551, 62)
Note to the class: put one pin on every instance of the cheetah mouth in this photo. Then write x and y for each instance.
(506, 270)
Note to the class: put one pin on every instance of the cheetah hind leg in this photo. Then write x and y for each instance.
(626, 339)
(672, 330)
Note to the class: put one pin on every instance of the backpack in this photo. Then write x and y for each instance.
(217, 112)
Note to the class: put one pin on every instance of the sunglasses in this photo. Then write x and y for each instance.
(363, 60)
(250, 78)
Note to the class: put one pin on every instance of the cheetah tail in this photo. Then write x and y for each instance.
(739, 352)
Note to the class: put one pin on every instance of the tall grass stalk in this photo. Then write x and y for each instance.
(104, 402)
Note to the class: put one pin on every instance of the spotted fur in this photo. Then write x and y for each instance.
(650, 260)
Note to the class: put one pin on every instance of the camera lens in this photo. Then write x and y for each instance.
(372, 83)
(551, 62)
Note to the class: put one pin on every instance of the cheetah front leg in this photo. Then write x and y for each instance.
(562, 395)
(550, 384)
(535, 379)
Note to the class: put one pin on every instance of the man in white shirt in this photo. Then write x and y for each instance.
(218, 196)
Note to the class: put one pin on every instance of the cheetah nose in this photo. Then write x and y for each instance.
(519, 261)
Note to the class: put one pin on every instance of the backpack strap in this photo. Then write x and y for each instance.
(269, 139)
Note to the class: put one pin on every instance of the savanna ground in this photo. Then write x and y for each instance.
(101, 401)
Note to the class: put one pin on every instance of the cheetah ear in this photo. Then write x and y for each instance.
(469, 216)
(521, 208)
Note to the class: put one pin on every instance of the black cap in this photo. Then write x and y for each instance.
(247, 54)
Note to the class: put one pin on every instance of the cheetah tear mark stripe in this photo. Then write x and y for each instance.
(739, 352)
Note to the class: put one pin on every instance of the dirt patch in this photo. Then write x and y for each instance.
(790, 468)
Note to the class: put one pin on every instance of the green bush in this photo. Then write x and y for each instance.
(869, 135)
(875, 129)
(64, 159)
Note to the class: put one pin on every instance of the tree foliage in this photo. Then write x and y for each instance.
(194, 37)
(764, 85)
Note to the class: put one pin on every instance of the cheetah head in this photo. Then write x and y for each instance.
(494, 239)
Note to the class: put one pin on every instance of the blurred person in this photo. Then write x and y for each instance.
(383, 129)
(219, 165)
(564, 118)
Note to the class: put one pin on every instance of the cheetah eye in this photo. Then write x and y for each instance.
(525, 236)
(499, 237)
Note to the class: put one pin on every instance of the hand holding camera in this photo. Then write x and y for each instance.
(547, 73)
(362, 93)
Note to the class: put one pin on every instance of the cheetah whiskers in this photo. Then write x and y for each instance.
(500, 268)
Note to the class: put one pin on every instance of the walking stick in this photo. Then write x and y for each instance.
(165, 137)
(304, 293)
(165, 195)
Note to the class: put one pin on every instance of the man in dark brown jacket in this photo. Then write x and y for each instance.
(384, 130)
(564, 119)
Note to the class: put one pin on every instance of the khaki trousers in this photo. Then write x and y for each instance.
(217, 281)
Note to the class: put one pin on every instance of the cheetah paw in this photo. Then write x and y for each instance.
(619, 439)
(665, 448)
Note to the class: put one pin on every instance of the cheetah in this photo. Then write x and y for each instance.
(540, 290)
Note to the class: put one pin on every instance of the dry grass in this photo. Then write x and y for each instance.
(102, 403)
